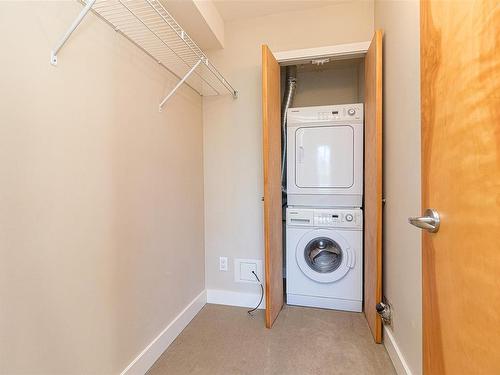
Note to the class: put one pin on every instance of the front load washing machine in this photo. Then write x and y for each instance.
(324, 258)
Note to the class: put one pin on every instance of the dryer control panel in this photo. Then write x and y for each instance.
(322, 217)
(335, 113)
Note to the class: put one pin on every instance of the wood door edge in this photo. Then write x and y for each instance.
(264, 52)
(379, 103)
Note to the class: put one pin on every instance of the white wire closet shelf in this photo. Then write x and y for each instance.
(149, 26)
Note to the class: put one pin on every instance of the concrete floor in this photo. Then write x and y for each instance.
(226, 340)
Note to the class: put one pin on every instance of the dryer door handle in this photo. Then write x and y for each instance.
(300, 145)
(300, 154)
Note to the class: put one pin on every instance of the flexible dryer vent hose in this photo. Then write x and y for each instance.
(290, 86)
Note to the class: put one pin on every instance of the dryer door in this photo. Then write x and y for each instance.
(324, 255)
(324, 157)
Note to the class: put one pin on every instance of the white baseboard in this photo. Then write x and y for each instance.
(395, 354)
(143, 362)
(230, 298)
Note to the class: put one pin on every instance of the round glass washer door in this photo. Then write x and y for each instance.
(324, 255)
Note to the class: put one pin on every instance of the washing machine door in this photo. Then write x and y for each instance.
(324, 255)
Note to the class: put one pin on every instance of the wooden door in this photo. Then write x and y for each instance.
(460, 96)
(273, 247)
(373, 185)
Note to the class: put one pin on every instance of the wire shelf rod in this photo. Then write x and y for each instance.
(166, 45)
(145, 51)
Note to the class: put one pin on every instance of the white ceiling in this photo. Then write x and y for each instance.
(239, 9)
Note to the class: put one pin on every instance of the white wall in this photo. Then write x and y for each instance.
(233, 128)
(338, 82)
(101, 196)
(402, 252)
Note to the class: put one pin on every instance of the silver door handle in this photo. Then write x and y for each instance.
(430, 221)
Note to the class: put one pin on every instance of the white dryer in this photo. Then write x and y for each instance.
(324, 258)
(325, 156)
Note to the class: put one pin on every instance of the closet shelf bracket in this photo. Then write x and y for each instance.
(179, 84)
(74, 25)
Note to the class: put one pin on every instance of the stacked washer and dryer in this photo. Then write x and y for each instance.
(324, 220)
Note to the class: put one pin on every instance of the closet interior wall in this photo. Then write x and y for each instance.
(335, 82)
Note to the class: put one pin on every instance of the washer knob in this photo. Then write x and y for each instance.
(349, 217)
(351, 111)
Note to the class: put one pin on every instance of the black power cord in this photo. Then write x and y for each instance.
(261, 295)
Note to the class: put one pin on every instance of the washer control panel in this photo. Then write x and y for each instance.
(337, 217)
(325, 217)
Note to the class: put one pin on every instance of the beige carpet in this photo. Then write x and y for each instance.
(225, 340)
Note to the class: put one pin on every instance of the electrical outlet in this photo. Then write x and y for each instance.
(246, 271)
(222, 263)
(243, 270)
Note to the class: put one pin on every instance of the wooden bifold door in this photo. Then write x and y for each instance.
(271, 114)
(271, 129)
(372, 209)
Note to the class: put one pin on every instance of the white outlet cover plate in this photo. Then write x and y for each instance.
(243, 269)
(223, 263)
